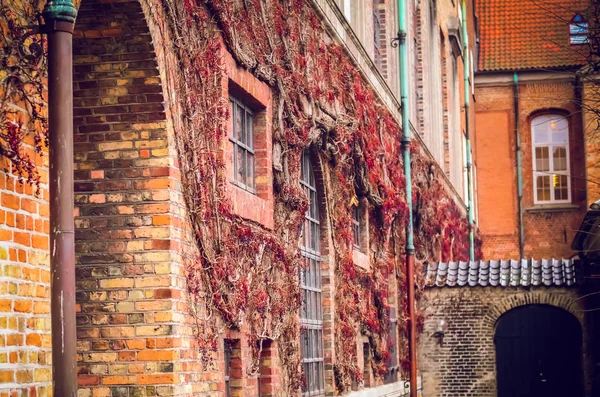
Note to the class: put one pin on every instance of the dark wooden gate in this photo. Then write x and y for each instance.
(539, 353)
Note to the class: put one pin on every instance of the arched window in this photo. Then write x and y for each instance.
(578, 30)
(311, 313)
(550, 141)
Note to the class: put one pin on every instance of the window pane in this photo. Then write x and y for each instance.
(561, 191)
(250, 170)
(238, 122)
(313, 312)
(559, 155)
(241, 161)
(539, 125)
(543, 188)
(305, 384)
(312, 354)
(233, 106)
(559, 128)
(542, 159)
(249, 131)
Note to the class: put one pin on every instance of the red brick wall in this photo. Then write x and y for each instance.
(25, 340)
(591, 97)
(548, 232)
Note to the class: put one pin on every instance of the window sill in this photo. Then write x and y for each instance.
(251, 206)
(552, 208)
(360, 259)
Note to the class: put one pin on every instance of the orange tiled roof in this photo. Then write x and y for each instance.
(527, 34)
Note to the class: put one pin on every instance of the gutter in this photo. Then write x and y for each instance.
(410, 247)
(59, 16)
(467, 87)
(519, 166)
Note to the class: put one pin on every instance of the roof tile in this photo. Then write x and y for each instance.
(527, 34)
(513, 273)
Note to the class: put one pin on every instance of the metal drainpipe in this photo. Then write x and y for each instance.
(410, 247)
(59, 16)
(519, 166)
(466, 70)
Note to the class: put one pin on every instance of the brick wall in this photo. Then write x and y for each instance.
(132, 337)
(136, 336)
(465, 365)
(550, 230)
(25, 341)
(591, 94)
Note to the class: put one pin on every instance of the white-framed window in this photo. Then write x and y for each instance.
(579, 30)
(311, 311)
(377, 34)
(433, 82)
(347, 8)
(242, 138)
(457, 156)
(356, 225)
(465, 149)
(550, 143)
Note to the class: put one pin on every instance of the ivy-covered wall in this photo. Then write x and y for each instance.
(171, 261)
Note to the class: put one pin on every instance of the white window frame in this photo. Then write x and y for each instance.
(465, 187)
(579, 30)
(550, 171)
(455, 133)
(433, 81)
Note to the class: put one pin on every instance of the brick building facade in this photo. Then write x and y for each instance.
(530, 114)
(517, 95)
(137, 324)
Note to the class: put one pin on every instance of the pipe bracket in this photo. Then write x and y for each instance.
(399, 39)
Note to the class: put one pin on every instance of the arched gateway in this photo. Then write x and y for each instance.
(538, 353)
(504, 329)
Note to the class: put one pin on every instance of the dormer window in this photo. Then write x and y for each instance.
(579, 30)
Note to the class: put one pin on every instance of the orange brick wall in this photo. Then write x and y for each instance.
(548, 232)
(130, 281)
(25, 340)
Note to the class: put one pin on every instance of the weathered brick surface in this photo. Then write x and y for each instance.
(590, 96)
(130, 284)
(25, 341)
(548, 233)
(136, 336)
(465, 365)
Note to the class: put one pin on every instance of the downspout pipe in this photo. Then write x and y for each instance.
(519, 166)
(59, 16)
(467, 105)
(410, 246)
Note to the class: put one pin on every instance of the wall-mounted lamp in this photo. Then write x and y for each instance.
(430, 174)
(440, 332)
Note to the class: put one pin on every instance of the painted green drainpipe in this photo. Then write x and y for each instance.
(466, 72)
(410, 247)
